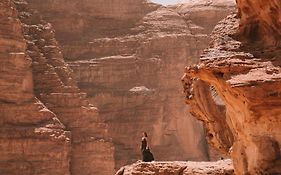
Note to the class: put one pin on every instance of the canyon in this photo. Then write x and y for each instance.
(129, 58)
(82, 79)
(47, 121)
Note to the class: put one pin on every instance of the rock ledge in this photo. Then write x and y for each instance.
(222, 167)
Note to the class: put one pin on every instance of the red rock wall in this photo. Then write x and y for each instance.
(260, 21)
(32, 139)
(38, 94)
(82, 20)
(128, 58)
(55, 87)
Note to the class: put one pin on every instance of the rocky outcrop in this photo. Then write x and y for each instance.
(242, 68)
(129, 57)
(223, 167)
(32, 139)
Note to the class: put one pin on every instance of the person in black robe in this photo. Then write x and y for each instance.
(147, 156)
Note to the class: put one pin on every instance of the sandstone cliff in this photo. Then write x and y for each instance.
(32, 140)
(128, 57)
(37, 94)
(242, 68)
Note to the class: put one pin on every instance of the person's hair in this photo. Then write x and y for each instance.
(145, 134)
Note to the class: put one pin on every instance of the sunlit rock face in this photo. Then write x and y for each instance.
(129, 58)
(242, 66)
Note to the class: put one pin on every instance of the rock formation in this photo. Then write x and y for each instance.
(91, 154)
(32, 139)
(205, 13)
(241, 73)
(128, 57)
(37, 92)
(223, 167)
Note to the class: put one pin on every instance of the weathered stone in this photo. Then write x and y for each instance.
(114, 48)
(243, 66)
(32, 139)
(54, 85)
(127, 56)
(223, 167)
(260, 21)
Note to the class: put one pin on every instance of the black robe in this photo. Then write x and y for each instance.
(147, 156)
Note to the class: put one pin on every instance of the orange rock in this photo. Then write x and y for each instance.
(242, 66)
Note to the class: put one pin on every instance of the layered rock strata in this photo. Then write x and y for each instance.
(128, 57)
(32, 139)
(37, 92)
(91, 153)
(223, 167)
(205, 13)
(242, 66)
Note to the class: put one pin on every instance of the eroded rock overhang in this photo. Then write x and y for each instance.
(242, 64)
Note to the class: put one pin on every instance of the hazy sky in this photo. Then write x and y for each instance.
(166, 2)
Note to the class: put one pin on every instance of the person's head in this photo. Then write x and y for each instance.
(144, 134)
